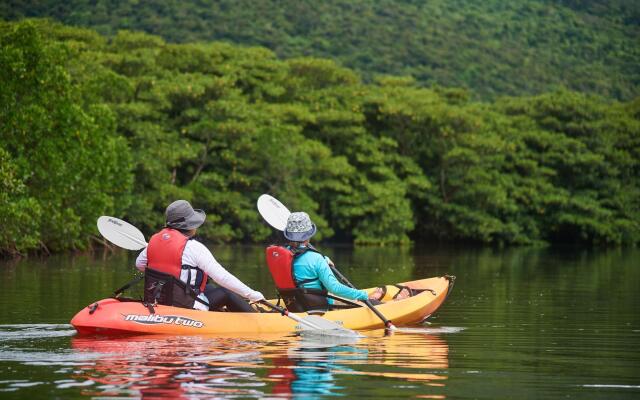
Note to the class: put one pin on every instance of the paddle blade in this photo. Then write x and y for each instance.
(316, 325)
(121, 233)
(273, 211)
(325, 341)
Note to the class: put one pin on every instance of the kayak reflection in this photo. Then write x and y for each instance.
(266, 365)
(309, 367)
(314, 366)
(170, 366)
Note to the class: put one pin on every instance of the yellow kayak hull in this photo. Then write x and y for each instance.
(114, 316)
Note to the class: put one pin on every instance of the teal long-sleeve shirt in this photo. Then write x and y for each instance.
(312, 265)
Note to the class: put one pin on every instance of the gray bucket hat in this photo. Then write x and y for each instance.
(299, 227)
(180, 215)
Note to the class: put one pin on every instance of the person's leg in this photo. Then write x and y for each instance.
(215, 296)
(219, 297)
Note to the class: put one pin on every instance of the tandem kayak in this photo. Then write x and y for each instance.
(115, 316)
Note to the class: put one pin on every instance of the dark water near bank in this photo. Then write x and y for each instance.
(520, 323)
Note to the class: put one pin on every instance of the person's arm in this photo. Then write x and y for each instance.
(207, 263)
(334, 286)
(141, 261)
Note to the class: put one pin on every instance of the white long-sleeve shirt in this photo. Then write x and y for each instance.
(196, 254)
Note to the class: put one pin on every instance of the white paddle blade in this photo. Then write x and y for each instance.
(121, 233)
(325, 341)
(274, 212)
(316, 325)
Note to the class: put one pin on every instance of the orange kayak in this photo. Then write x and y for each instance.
(122, 316)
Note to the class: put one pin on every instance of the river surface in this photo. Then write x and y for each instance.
(520, 324)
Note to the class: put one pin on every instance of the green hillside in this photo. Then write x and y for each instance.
(122, 126)
(492, 47)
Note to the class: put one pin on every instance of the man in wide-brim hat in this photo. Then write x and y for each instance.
(177, 267)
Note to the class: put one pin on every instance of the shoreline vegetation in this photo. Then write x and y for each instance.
(93, 125)
(492, 48)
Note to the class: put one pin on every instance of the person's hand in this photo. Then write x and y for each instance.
(403, 294)
(256, 297)
(376, 294)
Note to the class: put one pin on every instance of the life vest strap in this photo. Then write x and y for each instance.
(166, 289)
(197, 285)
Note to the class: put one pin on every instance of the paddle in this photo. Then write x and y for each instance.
(387, 323)
(314, 323)
(274, 212)
(121, 233)
(276, 215)
(125, 235)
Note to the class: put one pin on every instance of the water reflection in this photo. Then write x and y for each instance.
(169, 366)
(539, 323)
(201, 367)
(310, 365)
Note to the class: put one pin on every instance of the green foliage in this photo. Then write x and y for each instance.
(557, 167)
(370, 202)
(589, 148)
(61, 163)
(126, 125)
(19, 213)
(492, 47)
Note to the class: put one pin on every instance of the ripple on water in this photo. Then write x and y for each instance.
(18, 346)
(201, 366)
(34, 331)
(613, 386)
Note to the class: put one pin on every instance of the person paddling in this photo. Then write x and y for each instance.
(303, 275)
(176, 267)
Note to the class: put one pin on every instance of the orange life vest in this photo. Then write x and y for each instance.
(164, 254)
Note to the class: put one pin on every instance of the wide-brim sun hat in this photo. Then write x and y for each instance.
(299, 227)
(180, 215)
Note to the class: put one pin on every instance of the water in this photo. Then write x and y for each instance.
(520, 323)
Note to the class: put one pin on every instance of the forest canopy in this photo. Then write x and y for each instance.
(123, 125)
(492, 47)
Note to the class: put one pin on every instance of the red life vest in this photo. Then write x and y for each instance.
(280, 262)
(164, 253)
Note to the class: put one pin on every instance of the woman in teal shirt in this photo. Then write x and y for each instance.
(311, 270)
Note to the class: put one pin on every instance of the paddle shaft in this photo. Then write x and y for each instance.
(340, 276)
(387, 323)
(286, 312)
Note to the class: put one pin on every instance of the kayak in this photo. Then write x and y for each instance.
(114, 316)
